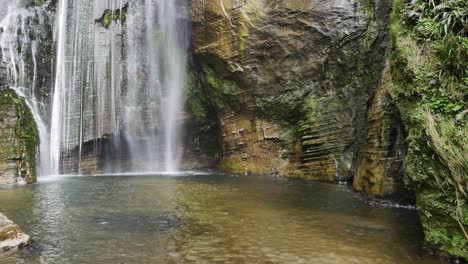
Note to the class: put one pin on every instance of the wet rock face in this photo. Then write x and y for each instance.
(18, 140)
(380, 168)
(11, 236)
(291, 81)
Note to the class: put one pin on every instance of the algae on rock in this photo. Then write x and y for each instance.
(202, 130)
(264, 63)
(18, 140)
(380, 170)
(110, 16)
(430, 79)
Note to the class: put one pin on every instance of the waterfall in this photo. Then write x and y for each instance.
(19, 55)
(173, 50)
(156, 65)
(124, 80)
(56, 117)
(87, 80)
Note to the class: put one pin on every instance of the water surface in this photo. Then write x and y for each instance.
(207, 219)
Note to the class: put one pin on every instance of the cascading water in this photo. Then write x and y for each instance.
(88, 78)
(156, 47)
(124, 80)
(173, 51)
(56, 117)
(119, 73)
(20, 47)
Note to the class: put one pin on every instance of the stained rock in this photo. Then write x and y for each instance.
(291, 81)
(18, 140)
(11, 236)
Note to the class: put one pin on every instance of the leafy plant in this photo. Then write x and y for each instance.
(452, 54)
(437, 18)
(430, 83)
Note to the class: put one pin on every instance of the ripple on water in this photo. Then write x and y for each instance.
(207, 219)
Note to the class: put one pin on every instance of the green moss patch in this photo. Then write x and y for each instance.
(231, 166)
(204, 130)
(110, 16)
(223, 91)
(25, 133)
(430, 83)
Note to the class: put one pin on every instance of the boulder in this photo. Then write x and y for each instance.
(11, 236)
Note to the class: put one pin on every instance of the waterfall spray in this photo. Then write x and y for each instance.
(90, 99)
(156, 47)
(56, 116)
(18, 52)
(173, 50)
(125, 80)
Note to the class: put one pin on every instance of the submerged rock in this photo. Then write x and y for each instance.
(11, 236)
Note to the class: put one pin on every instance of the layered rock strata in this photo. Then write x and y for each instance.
(380, 168)
(290, 81)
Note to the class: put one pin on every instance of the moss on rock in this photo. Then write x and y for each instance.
(429, 88)
(110, 16)
(203, 128)
(232, 166)
(223, 91)
(18, 138)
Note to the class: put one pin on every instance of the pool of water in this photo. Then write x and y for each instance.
(207, 219)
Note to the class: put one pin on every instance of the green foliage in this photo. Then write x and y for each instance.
(291, 136)
(429, 28)
(444, 104)
(451, 242)
(437, 18)
(452, 54)
(113, 15)
(429, 73)
(434, 186)
(439, 95)
(32, 3)
(439, 85)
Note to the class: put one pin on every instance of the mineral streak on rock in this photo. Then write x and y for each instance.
(291, 81)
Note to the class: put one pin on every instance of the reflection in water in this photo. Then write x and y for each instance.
(207, 219)
(50, 205)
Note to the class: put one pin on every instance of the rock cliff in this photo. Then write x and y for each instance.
(290, 81)
(320, 90)
(380, 168)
